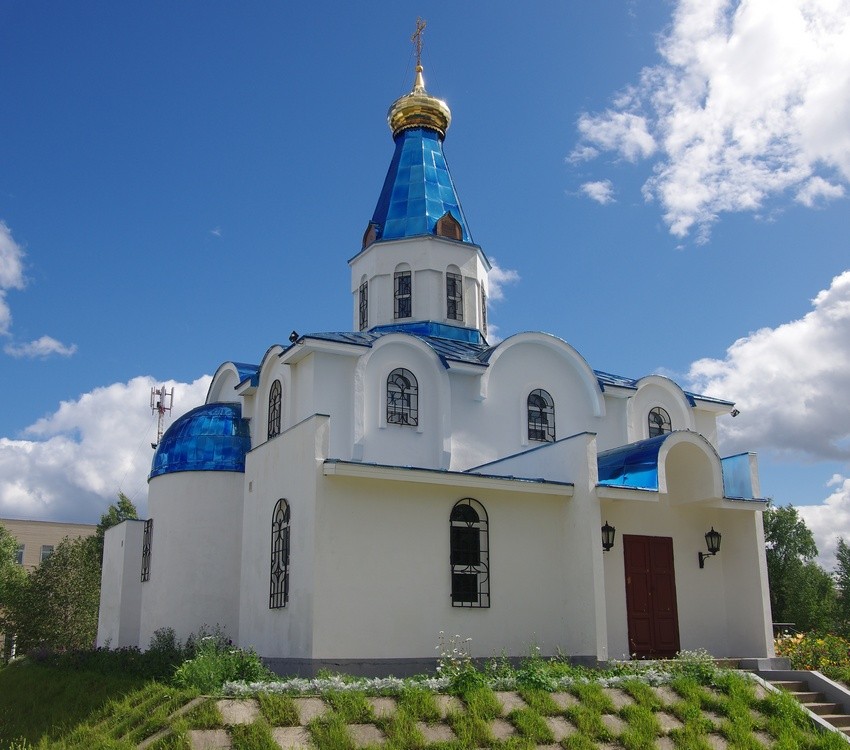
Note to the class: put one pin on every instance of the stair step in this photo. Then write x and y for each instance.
(809, 696)
(791, 686)
(823, 709)
(842, 721)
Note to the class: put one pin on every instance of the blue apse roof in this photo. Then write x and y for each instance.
(212, 437)
(418, 189)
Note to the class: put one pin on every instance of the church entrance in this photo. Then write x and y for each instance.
(651, 596)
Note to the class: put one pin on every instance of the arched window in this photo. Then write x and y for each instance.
(279, 586)
(454, 294)
(469, 543)
(275, 398)
(364, 304)
(403, 295)
(402, 398)
(541, 416)
(659, 422)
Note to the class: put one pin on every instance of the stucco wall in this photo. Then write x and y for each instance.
(119, 616)
(195, 555)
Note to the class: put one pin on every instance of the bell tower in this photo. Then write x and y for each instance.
(418, 267)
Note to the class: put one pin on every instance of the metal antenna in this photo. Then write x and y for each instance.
(161, 401)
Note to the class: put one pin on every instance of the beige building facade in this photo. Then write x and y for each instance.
(38, 539)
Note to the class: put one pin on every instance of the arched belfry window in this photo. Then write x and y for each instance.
(454, 294)
(402, 398)
(279, 585)
(470, 554)
(275, 400)
(659, 422)
(541, 416)
(402, 294)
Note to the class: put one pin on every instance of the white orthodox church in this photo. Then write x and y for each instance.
(357, 492)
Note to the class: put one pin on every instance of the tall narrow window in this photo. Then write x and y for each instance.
(364, 305)
(483, 312)
(279, 586)
(403, 294)
(147, 540)
(454, 296)
(541, 416)
(469, 543)
(402, 398)
(659, 422)
(19, 555)
(46, 551)
(275, 399)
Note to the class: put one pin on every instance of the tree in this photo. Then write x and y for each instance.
(842, 583)
(56, 605)
(119, 511)
(800, 590)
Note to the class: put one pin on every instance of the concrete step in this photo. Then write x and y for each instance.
(842, 721)
(792, 686)
(824, 709)
(809, 696)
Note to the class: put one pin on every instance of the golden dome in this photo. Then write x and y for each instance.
(419, 109)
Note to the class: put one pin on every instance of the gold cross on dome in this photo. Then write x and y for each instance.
(417, 39)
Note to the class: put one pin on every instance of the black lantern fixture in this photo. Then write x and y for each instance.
(712, 541)
(608, 532)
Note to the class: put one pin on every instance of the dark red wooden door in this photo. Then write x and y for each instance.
(651, 596)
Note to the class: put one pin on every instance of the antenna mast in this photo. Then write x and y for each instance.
(161, 401)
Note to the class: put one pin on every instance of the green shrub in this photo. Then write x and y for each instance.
(216, 662)
(824, 652)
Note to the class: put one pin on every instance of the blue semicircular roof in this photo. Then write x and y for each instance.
(418, 189)
(212, 437)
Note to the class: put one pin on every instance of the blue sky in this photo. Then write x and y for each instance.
(182, 184)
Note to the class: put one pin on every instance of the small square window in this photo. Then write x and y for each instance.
(46, 551)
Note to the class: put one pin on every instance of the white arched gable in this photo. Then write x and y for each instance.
(271, 369)
(652, 391)
(223, 383)
(689, 468)
(563, 350)
(401, 350)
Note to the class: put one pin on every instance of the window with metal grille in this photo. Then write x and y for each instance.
(147, 540)
(403, 294)
(659, 422)
(469, 542)
(454, 296)
(279, 584)
(483, 312)
(275, 401)
(541, 416)
(364, 305)
(402, 398)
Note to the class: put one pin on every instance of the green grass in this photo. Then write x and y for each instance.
(42, 702)
(419, 703)
(278, 710)
(351, 706)
(255, 736)
(532, 725)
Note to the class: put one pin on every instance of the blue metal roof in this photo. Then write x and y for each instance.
(439, 339)
(212, 437)
(247, 372)
(418, 189)
(634, 465)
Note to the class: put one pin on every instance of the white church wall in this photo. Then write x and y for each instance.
(613, 431)
(525, 364)
(705, 423)
(119, 616)
(285, 467)
(195, 557)
(657, 391)
(718, 606)
(382, 559)
(422, 444)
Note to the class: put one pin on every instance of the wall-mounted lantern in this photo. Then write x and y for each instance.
(712, 541)
(608, 533)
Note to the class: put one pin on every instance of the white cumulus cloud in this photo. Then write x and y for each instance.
(750, 101)
(499, 277)
(790, 382)
(829, 520)
(602, 191)
(41, 347)
(11, 273)
(70, 464)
